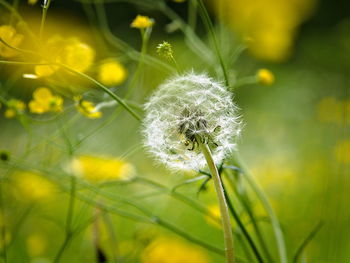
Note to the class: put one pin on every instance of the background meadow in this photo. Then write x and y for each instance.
(77, 184)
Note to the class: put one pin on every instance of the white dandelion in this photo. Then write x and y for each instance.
(186, 109)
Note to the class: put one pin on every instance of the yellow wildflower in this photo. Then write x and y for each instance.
(36, 244)
(265, 77)
(112, 73)
(78, 55)
(167, 250)
(72, 52)
(32, 186)
(142, 22)
(14, 108)
(10, 36)
(43, 101)
(87, 108)
(272, 24)
(342, 151)
(100, 169)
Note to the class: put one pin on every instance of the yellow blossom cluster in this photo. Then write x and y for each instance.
(168, 250)
(96, 169)
(71, 52)
(43, 101)
(11, 37)
(87, 108)
(271, 25)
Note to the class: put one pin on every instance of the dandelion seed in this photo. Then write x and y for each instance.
(87, 108)
(101, 169)
(265, 77)
(43, 101)
(10, 36)
(142, 22)
(183, 109)
(112, 73)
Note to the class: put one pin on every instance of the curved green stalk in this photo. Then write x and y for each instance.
(225, 217)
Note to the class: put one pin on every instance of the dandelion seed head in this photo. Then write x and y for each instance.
(188, 107)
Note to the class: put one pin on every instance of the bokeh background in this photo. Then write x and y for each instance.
(296, 136)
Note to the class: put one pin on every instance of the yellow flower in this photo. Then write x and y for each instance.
(43, 101)
(14, 108)
(32, 186)
(36, 244)
(272, 24)
(342, 151)
(87, 108)
(142, 22)
(10, 36)
(72, 52)
(101, 169)
(265, 77)
(112, 73)
(167, 250)
(78, 55)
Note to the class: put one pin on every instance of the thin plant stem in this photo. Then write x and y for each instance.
(307, 240)
(3, 227)
(241, 226)
(46, 6)
(244, 200)
(209, 24)
(69, 219)
(225, 217)
(264, 200)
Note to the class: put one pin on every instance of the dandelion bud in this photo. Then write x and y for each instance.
(265, 77)
(165, 50)
(186, 109)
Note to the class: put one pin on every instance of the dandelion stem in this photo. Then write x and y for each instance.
(225, 217)
(46, 6)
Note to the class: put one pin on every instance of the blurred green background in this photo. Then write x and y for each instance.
(296, 136)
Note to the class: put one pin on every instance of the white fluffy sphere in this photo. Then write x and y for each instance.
(187, 108)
